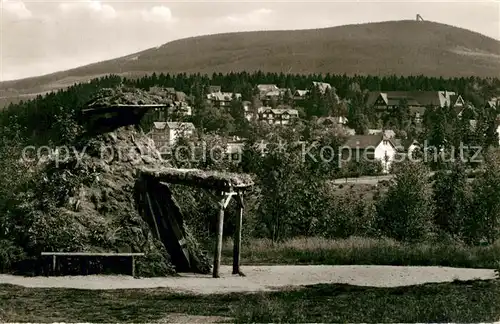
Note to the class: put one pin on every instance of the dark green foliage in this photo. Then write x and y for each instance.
(482, 223)
(452, 200)
(406, 211)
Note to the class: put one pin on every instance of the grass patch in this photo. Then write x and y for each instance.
(363, 251)
(474, 301)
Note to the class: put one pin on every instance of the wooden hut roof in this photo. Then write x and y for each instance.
(200, 178)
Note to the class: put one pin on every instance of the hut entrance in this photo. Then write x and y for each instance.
(160, 209)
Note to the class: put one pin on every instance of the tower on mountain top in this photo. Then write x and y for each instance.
(419, 18)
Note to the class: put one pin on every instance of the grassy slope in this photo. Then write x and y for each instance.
(476, 301)
(397, 47)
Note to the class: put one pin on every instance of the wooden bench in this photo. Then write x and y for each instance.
(90, 254)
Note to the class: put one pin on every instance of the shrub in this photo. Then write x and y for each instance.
(344, 215)
(452, 198)
(405, 213)
(9, 254)
(483, 218)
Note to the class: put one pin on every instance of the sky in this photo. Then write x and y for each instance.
(40, 37)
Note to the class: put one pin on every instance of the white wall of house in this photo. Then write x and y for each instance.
(498, 132)
(175, 133)
(383, 150)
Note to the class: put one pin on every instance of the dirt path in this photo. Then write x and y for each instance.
(264, 278)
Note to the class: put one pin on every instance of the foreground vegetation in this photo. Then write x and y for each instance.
(474, 301)
(359, 251)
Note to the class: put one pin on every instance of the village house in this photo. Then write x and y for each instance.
(166, 134)
(214, 88)
(275, 96)
(493, 103)
(181, 108)
(248, 110)
(278, 116)
(174, 109)
(339, 121)
(300, 95)
(417, 101)
(369, 148)
(222, 99)
(234, 148)
(333, 120)
(405, 147)
(322, 86)
(266, 88)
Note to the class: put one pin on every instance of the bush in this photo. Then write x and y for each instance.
(405, 213)
(452, 199)
(483, 217)
(344, 215)
(10, 254)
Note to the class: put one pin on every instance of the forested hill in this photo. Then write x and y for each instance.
(386, 48)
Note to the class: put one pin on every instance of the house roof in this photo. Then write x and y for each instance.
(278, 111)
(214, 88)
(285, 111)
(274, 93)
(222, 96)
(301, 93)
(413, 98)
(363, 141)
(332, 120)
(267, 87)
(493, 103)
(173, 125)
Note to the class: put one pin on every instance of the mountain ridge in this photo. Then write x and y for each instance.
(403, 47)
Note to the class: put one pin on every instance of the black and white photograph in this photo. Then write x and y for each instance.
(249, 161)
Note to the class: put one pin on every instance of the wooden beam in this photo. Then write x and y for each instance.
(110, 254)
(237, 238)
(218, 243)
(152, 216)
(228, 198)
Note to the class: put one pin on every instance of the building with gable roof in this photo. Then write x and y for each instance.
(166, 134)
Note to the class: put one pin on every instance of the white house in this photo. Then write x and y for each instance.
(369, 148)
(167, 133)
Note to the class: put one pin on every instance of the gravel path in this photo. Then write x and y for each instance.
(263, 278)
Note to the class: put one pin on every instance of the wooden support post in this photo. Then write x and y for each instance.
(218, 243)
(237, 237)
(54, 264)
(133, 266)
